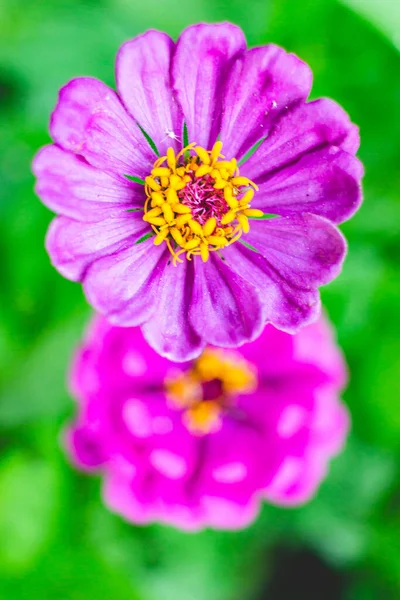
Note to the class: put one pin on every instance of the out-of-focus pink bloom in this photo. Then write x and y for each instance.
(200, 444)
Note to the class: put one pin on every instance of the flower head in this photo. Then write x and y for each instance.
(200, 444)
(232, 223)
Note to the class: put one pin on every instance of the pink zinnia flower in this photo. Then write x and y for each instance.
(200, 444)
(187, 256)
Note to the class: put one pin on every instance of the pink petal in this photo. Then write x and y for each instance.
(90, 120)
(225, 310)
(201, 64)
(295, 255)
(73, 246)
(169, 331)
(68, 185)
(143, 72)
(325, 182)
(263, 84)
(124, 286)
(307, 128)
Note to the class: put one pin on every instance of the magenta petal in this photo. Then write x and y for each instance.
(143, 72)
(124, 286)
(307, 128)
(73, 246)
(118, 494)
(325, 182)
(169, 331)
(67, 184)
(90, 120)
(201, 63)
(295, 255)
(85, 447)
(298, 478)
(225, 309)
(264, 83)
(285, 432)
(317, 344)
(307, 250)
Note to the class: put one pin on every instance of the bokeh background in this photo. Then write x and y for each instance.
(57, 541)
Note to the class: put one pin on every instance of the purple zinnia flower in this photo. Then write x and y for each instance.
(202, 443)
(209, 247)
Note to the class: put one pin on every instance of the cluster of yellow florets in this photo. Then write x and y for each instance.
(185, 391)
(172, 216)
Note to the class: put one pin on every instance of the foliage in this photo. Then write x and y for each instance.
(57, 540)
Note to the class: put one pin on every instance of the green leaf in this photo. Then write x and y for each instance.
(28, 494)
(250, 152)
(264, 217)
(185, 135)
(149, 141)
(145, 237)
(249, 246)
(135, 179)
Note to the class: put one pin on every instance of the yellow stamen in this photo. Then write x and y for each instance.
(253, 212)
(185, 391)
(229, 199)
(203, 170)
(153, 184)
(154, 212)
(192, 244)
(169, 210)
(203, 155)
(220, 184)
(171, 160)
(176, 234)
(183, 220)
(243, 222)
(157, 198)
(172, 196)
(228, 217)
(216, 151)
(202, 418)
(164, 182)
(205, 253)
(209, 226)
(157, 221)
(247, 198)
(161, 172)
(181, 209)
(217, 241)
(160, 237)
(195, 227)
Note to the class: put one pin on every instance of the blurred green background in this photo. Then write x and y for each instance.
(57, 541)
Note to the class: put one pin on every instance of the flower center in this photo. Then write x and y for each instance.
(197, 202)
(209, 387)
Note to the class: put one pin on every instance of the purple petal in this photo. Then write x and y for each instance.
(90, 120)
(263, 84)
(119, 496)
(225, 309)
(317, 344)
(309, 127)
(169, 331)
(85, 447)
(143, 73)
(325, 182)
(298, 478)
(201, 64)
(124, 286)
(73, 246)
(68, 185)
(294, 256)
